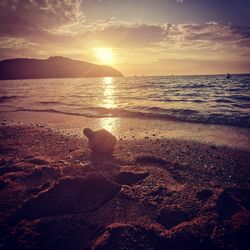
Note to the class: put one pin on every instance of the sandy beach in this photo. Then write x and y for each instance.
(167, 186)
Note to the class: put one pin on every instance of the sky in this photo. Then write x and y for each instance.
(145, 37)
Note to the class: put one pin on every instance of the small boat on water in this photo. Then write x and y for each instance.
(228, 76)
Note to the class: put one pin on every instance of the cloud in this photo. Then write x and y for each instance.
(210, 35)
(25, 17)
(210, 31)
(123, 34)
(63, 21)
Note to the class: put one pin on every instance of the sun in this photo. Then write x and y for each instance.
(105, 55)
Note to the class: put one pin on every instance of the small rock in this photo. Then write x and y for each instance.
(100, 141)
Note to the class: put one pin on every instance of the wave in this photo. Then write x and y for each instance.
(243, 105)
(195, 86)
(4, 98)
(224, 101)
(49, 102)
(240, 97)
(184, 115)
(194, 98)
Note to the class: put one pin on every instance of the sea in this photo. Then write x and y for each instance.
(212, 99)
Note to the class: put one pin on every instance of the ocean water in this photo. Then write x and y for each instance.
(208, 99)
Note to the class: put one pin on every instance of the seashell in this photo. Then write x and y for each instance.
(100, 141)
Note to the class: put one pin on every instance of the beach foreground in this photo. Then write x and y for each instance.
(151, 194)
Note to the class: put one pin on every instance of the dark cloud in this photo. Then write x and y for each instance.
(210, 34)
(244, 31)
(20, 17)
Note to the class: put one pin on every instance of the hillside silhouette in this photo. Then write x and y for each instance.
(53, 67)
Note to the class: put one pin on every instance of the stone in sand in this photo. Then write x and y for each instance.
(100, 141)
(69, 196)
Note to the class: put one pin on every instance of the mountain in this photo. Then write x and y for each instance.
(53, 67)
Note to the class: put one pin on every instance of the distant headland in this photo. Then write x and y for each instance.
(53, 67)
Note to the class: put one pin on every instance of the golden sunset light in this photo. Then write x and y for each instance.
(160, 37)
(124, 124)
(104, 55)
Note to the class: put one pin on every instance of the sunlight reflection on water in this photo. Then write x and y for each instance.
(108, 93)
(110, 124)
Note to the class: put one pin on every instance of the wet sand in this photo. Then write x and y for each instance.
(135, 128)
(160, 189)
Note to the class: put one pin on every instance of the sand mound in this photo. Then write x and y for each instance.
(62, 232)
(130, 177)
(171, 216)
(194, 234)
(131, 237)
(223, 204)
(69, 196)
(234, 232)
(227, 206)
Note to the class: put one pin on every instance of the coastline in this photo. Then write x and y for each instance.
(135, 128)
(153, 193)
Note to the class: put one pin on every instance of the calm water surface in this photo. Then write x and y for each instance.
(209, 99)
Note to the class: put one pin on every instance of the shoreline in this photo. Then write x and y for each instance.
(128, 115)
(135, 128)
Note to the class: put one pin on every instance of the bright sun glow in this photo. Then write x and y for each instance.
(105, 55)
